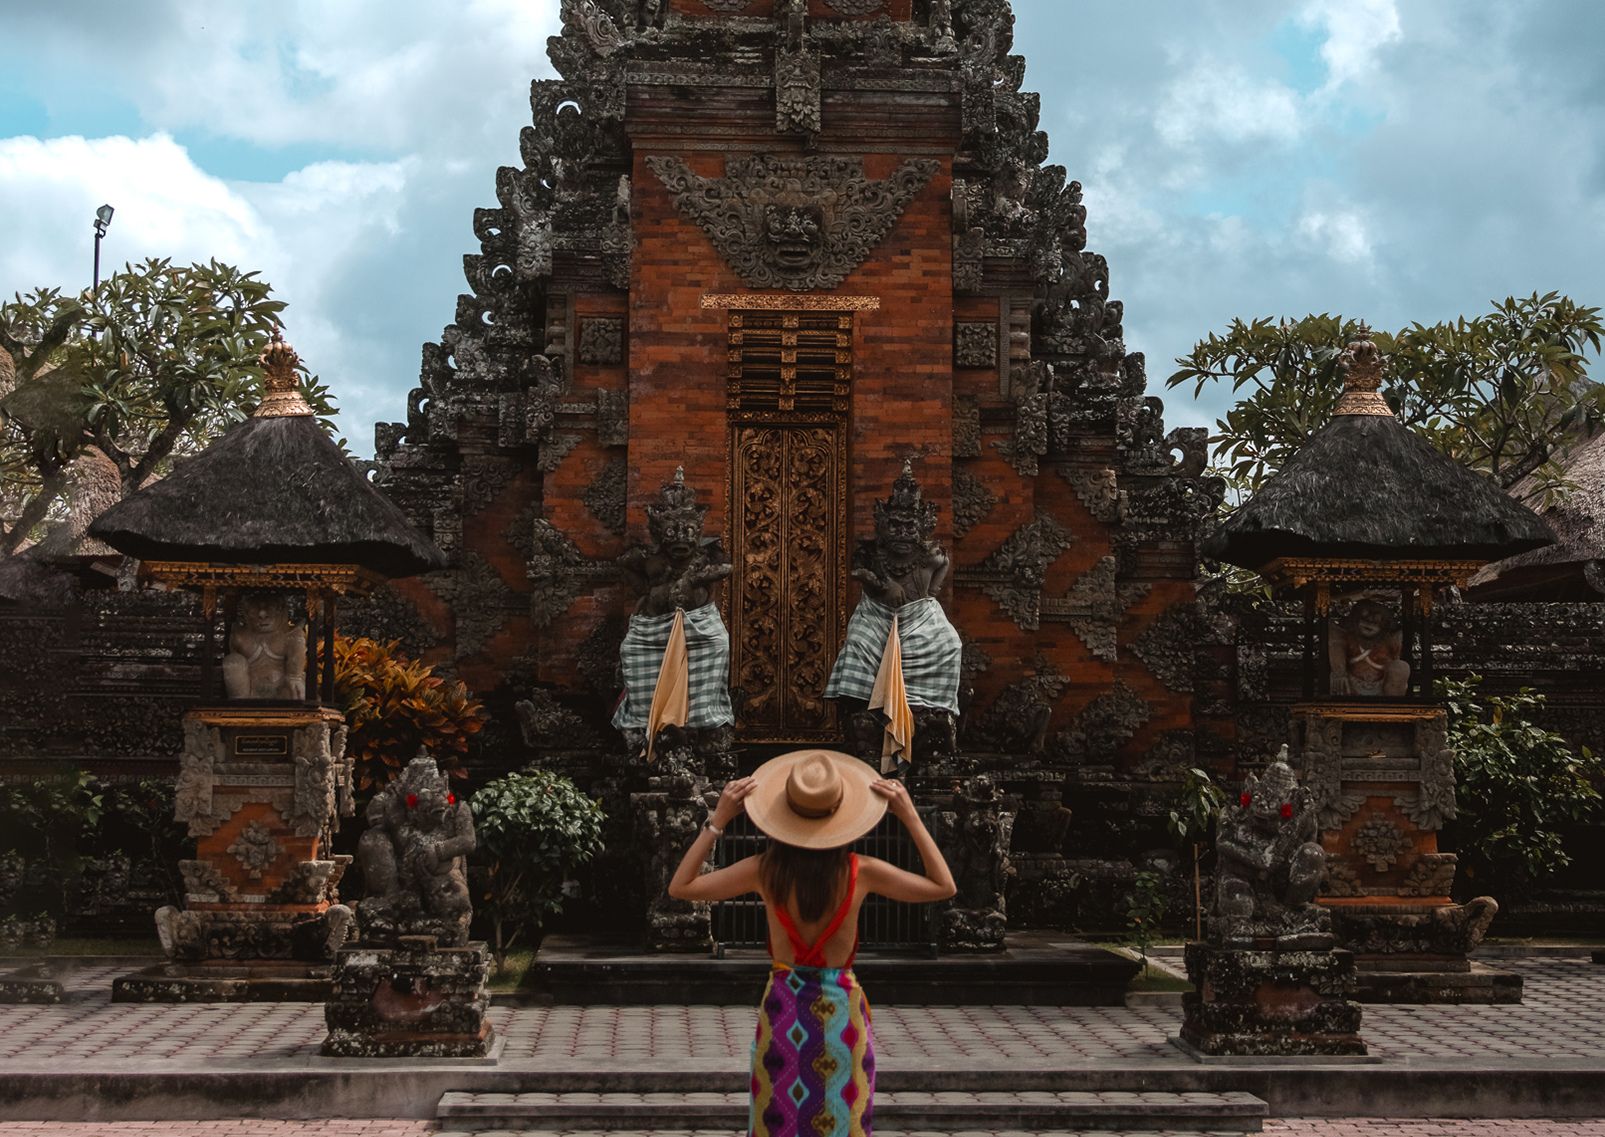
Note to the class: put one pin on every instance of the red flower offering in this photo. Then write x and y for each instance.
(1287, 809)
(412, 801)
(451, 799)
(1244, 798)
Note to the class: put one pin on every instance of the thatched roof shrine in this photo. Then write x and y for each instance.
(1367, 488)
(276, 489)
(1573, 568)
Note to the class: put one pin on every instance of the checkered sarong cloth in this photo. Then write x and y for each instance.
(708, 648)
(931, 652)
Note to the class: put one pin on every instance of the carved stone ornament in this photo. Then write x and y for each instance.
(800, 223)
(1434, 800)
(972, 501)
(727, 7)
(1432, 875)
(255, 849)
(855, 7)
(605, 496)
(975, 344)
(797, 92)
(1098, 490)
(966, 428)
(1379, 841)
(601, 341)
(192, 801)
(1013, 574)
(559, 573)
(1321, 770)
(1091, 608)
(1166, 646)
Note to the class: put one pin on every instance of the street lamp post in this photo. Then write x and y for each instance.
(102, 219)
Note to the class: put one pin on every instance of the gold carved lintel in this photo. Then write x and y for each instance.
(1297, 572)
(211, 578)
(789, 302)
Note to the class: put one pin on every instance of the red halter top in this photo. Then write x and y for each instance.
(813, 955)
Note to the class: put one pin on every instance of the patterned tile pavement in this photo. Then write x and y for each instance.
(1563, 1017)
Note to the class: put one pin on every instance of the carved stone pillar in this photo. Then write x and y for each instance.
(667, 812)
(262, 791)
(1383, 781)
(973, 829)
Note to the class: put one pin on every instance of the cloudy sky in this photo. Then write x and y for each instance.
(1394, 159)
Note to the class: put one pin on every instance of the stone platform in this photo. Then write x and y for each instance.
(222, 981)
(89, 1059)
(1034, 969)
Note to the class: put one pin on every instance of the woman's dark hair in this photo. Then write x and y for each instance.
(810, 876)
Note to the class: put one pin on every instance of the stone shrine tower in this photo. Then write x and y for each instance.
(787, 246)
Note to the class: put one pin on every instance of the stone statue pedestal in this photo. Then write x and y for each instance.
(410, 1000)
(667, 811)
(262, 790)
(1382, 778)
(1253, 1002)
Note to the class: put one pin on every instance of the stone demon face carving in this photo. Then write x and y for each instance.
(795, 235)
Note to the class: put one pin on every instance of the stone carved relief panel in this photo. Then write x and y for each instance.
(1013, 574)
(975, 344)
(1091, 608)
(799, 223)
(601, 341)
(605, 496)
(972, 501)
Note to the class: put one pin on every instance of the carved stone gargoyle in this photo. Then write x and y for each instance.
(413, 860)
(1269, 867)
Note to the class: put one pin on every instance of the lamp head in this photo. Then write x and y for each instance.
(103, 215)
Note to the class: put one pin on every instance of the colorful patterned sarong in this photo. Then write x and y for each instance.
(931, 653)
(813, 1063)
(708, 651)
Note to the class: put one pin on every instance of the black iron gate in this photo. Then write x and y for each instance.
(884, 925)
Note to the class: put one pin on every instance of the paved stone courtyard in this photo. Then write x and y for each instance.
(1562, 1017)
(1293, 1127)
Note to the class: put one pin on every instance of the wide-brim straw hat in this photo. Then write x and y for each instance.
(815, 799)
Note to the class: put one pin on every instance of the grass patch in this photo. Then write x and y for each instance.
(511, 977)
(72, 946)
(1153, 979)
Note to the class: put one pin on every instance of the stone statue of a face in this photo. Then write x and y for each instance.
(900, 533)
(794, 234)
(264, 613)
(680, 536)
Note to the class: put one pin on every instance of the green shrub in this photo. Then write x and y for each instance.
(1519, 786)
(534, 829)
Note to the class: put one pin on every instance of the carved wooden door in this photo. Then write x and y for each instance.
(788, 384)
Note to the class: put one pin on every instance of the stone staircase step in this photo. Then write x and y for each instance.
(878, 1131)
(988, 1111)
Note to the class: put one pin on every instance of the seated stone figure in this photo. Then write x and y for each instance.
(678, 573)
(1363, 649)
(413, 860)
(901, 571)
(267, 656)
(1269, 867)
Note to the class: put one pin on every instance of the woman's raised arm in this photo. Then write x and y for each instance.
(690, 882)
(900, 884)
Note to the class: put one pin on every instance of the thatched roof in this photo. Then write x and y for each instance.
(1366, 487)
(274, 489)
(1574, 567)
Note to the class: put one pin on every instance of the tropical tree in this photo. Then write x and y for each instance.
(150, 366)
(1501, 393)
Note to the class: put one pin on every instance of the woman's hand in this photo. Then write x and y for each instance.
(898, 803)
(733, 801)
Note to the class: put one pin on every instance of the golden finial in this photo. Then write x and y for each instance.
(281, 385)
(1361, 368)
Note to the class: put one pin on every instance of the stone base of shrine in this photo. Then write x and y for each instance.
(226, 981)
(37, 984)
(414, 1000)
(1404, 980)
(1268, 1002)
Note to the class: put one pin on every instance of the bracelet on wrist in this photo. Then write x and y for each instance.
(716, 830)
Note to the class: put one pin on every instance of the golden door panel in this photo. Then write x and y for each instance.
(788, 583)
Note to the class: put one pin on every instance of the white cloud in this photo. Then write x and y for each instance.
(1214, 101)
(1356, 32)
(1340, 234)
